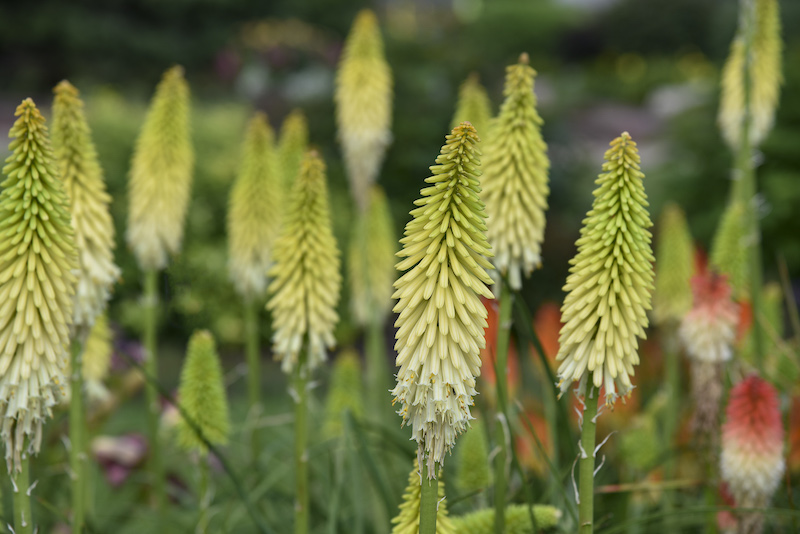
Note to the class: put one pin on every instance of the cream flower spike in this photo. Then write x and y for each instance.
(38, 259)
(161, 175)
(515, 178)
(97, 359)
(255, 210)
(440, 330)
(82, 176)
(363, 104)
(305, 278)
(610, 282)
(292, 146)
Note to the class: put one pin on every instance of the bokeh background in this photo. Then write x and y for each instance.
(604, 66)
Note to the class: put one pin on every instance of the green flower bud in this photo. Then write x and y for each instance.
(473, 106)
(292, 146)
(518, 520)
(473, 459)
(201, 394)
(675, 252)
(345, 394)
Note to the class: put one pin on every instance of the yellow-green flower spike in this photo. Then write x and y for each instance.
(371, 261)
(766, 77)
(363, 104)
(473, 459)
(729, 249)
(38, 257)
(201, 394)
(407, 520)
(97, 358)
(518, 520)
(440, 329)
(675, 252)
(161, 175)
(515, 178)
(292, 146)
(80, 171)
(771, 317)
(610, 281)
(305, 277)
(255, 210)
(344, 395)
(473, 106)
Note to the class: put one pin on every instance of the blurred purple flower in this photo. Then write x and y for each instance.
(119, 456)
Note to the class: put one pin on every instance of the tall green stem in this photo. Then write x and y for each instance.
(77, 450)
(671, 416)
(253, 370)
(301, 512)
(203, 494)
(586, 464)
(502, 428)
(747, 187)
(151, 390)
(428, 503)
(23, 521)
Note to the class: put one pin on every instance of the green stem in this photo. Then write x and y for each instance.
(203, 494)
(502, 429)
(151, 389)
(77, 450)
(428, 503)
(253, 371)
(671, 416)
(301, 512)
(377, 370)
(23, 521)
(586, 464)
(747, 187)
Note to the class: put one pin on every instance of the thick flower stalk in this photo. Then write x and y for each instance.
(765, 75)
(363, 104)
(729, 249)
(672, 297)
(292, 146)
(440, 329)
(201, 394)
(38, 258)
(371, 261)
(610, 281)
(345, 394)
(80, 171)
(473, 106)
(515, 178)
(97, 359)
(518, 520)
(305, 278)
(255, 210)
(407, 520)
(752, 461)
(708, 332)
(161, 175)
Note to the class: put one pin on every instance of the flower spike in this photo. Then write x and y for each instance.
(515, 182)
(201, 393)
(161, 175)
(440, 329)
(38, 257)
(292, 146)
(371, 261)
(765, 74)
(473, 105)
(306, 281)
(254, 214)
(82, 176)
(363, 104)
(610, 281)
(675, 252)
